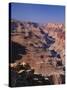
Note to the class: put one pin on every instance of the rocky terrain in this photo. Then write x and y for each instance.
(37, 53)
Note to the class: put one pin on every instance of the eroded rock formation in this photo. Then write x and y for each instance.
(41, 47)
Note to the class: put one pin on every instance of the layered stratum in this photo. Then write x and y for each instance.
(37, 54)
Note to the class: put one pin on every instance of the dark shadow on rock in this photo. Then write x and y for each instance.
(63, 79)
(17, 51)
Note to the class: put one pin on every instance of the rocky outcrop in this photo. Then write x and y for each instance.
(23, 75)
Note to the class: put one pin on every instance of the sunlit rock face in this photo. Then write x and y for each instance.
(41, 46)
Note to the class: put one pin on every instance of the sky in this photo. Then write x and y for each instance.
(38, 13)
